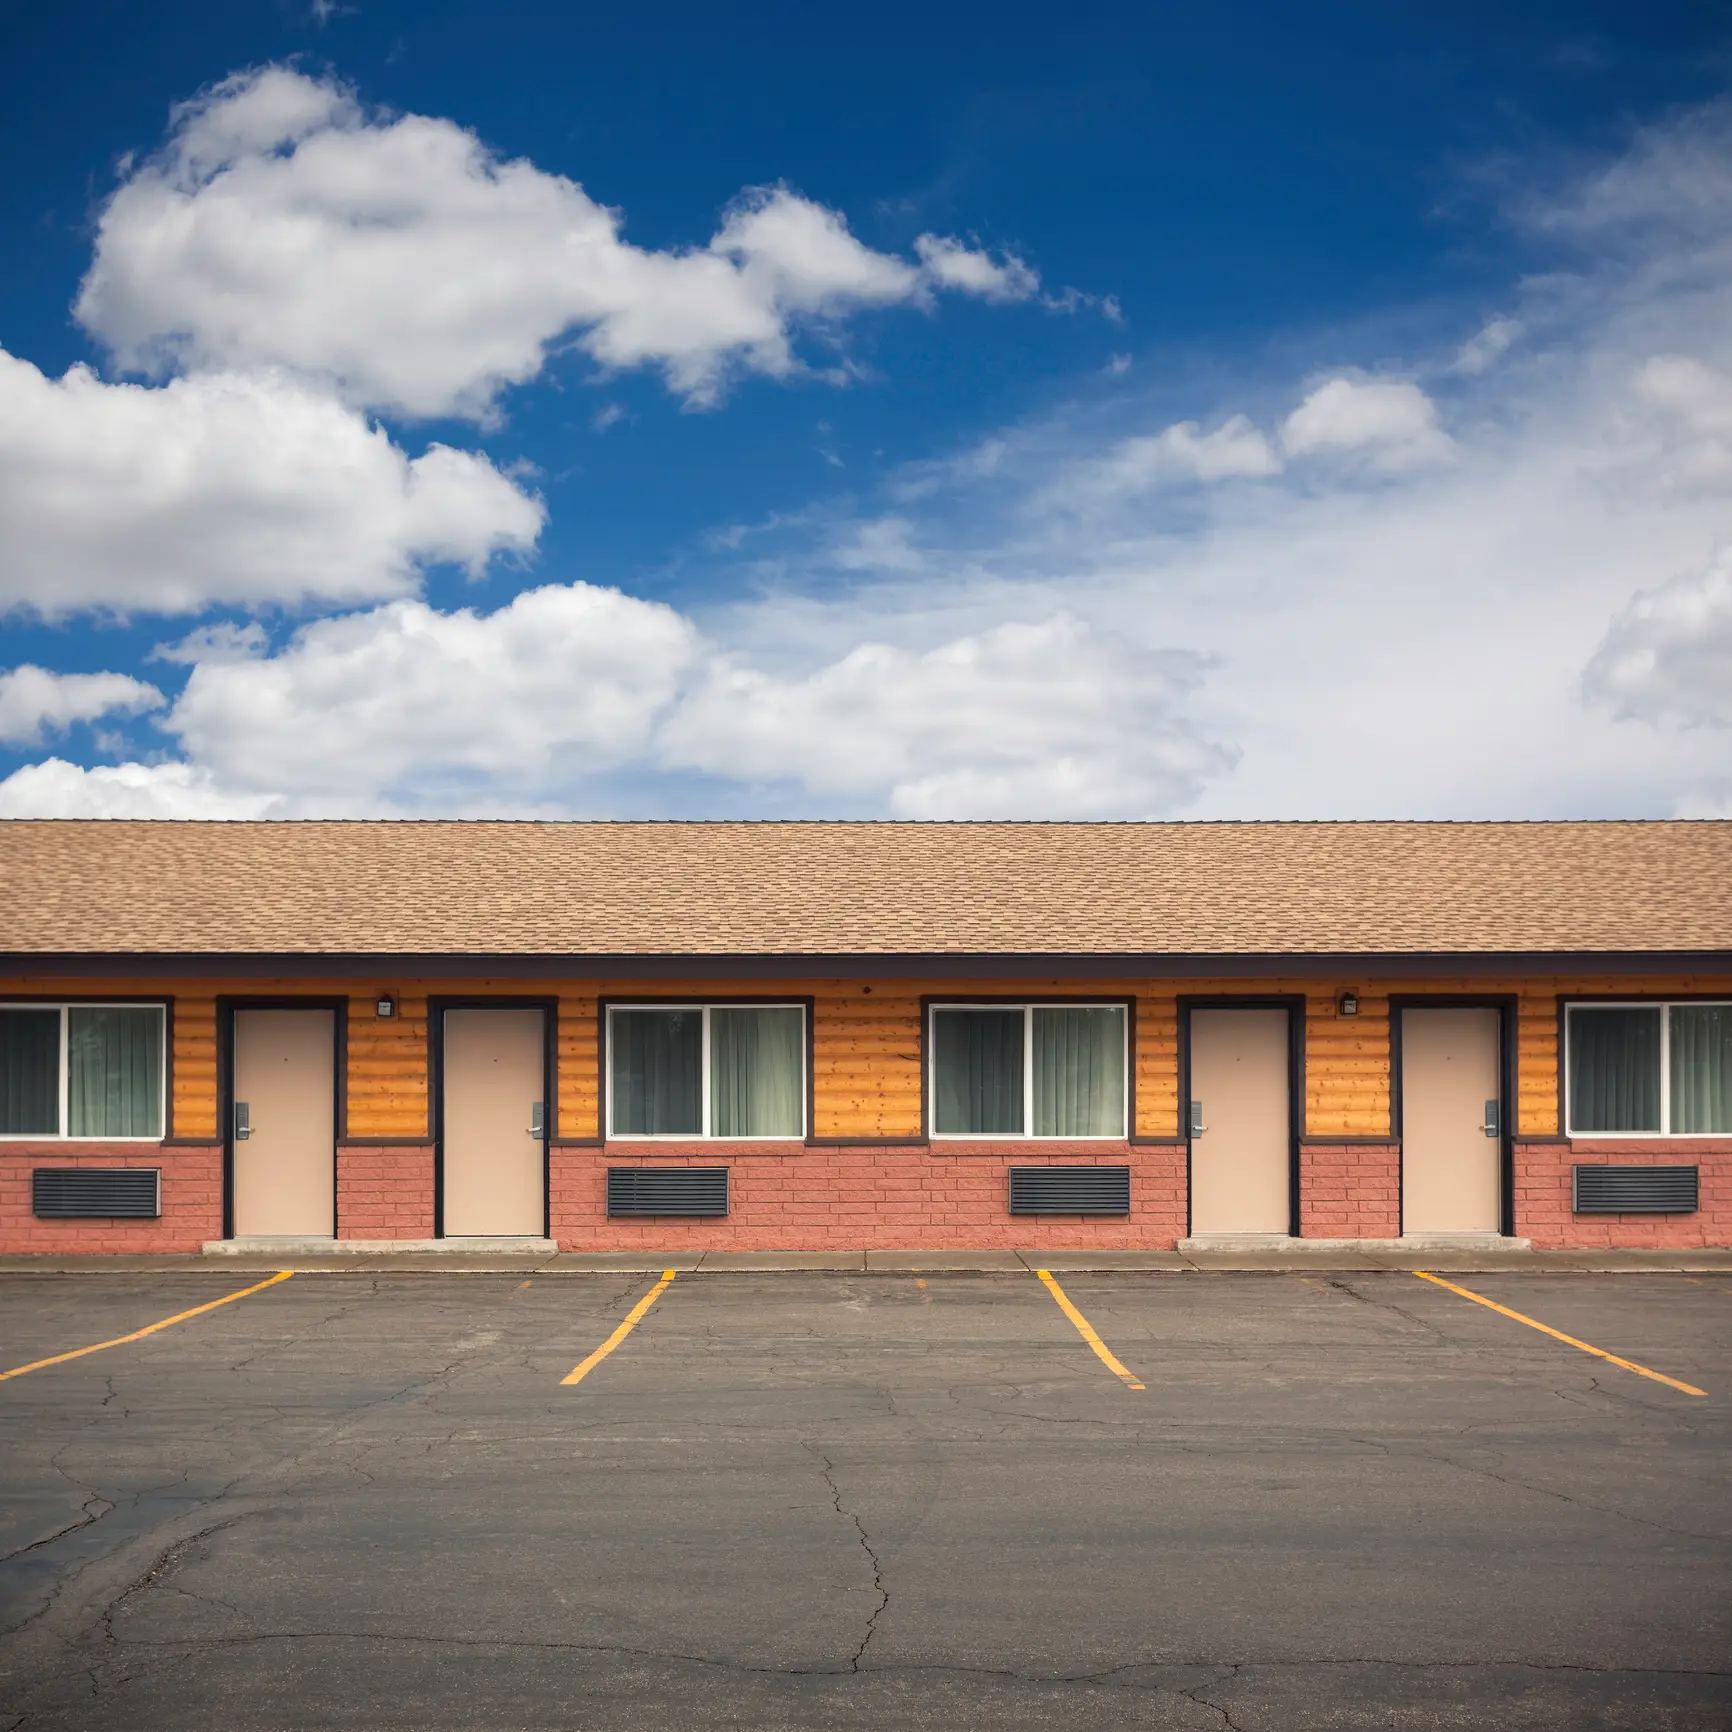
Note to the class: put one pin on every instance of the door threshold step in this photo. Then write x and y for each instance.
(1283, 1244)
(264, 1244)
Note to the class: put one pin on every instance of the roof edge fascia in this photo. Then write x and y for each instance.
(1153, 965)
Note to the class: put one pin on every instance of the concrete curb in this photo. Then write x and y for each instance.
(1295, 1255)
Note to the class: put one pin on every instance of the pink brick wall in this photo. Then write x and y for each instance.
(1542, 1196)
(385, 1193)
(192, 1199)
(906, 1199)
(1349, 1190)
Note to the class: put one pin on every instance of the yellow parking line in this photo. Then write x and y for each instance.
(633, 1318)
(1559, 1335)
(1086, 1330)
(149, 1328)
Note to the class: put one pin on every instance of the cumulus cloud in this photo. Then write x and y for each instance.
(57, 789)
(1024, 720)
(1181, 452)
(282, 225)
(1390, 420)
(226, 488)
(34, 700)
(954, 265)
(564, 680)
(1668, 655)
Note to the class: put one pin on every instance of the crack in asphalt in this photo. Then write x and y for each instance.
(827, 1468)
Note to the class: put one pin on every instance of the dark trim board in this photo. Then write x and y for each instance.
(436, 1009)
(942, 965)
(1294, 1005)
(1508, 1018)
(225, 1018)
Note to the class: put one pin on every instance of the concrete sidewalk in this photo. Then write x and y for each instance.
(1283, 1255)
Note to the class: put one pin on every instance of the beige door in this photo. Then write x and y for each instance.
(1241, 1099)
(494, 1068)
(285, 1122)
(1449, 1095)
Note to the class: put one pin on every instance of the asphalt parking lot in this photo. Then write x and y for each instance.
(851, 1501)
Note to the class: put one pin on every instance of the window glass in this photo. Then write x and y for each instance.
(977, 1072)
(1701, 1063)
(657, 1080)
(1614, 1065)
(30, 1072)
(757, 1071)
(1079, 1071)
(114, 1071)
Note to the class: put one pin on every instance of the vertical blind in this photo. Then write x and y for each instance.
(114, 1070)
(30, 1072)
(757, 1057)
(757, 1072)
(1074, 1084)
(1648, 1069)
(1701, 1043)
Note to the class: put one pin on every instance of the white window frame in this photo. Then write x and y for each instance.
(65, 1005)
(1028, 1007)
(1665, 1007)
(705, 1006)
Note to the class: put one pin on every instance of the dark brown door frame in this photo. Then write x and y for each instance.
(1294, 1004)
(549, 1008)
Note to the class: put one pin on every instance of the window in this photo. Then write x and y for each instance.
(1027, 1070)
(82, 1071)
(706, 1070)
(1655, 1070)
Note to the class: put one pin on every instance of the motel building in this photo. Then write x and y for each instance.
(826, 1036)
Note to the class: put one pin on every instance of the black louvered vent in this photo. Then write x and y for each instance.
(667, 1190)
(69, 1193)
(1070, 1190)
(1635, 1190)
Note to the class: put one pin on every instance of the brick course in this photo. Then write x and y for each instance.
(192, 1199)
(831, 1199)
(384, 1193)
(1542, 1195)
(1349, 1190)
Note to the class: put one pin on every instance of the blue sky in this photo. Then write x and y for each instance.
(1278, 412)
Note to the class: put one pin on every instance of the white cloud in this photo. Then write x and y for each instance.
(1023, 720)
(1487, 346)
(1391, 419)
(564, 682)
(225, 489)
(33, 700)
(1181, 452)
(57, 789)
(282, 226)
(956, 266)
(1668, 655)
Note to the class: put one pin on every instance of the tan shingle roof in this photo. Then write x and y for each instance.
(620, 889)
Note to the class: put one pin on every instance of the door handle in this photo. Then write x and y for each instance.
(1197, 1125)
(537, 1119)
(1493, 1118)
(243, 1121)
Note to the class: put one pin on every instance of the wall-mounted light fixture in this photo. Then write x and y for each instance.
(1348, 1004)
(387, 1005)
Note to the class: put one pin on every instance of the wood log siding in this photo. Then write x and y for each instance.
(866, 1043)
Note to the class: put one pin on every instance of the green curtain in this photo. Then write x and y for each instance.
(1701, 1042)
(757, 1070)
(1079, 1071)
(656, 1073)
(30, 1072)
(1614, 1063)
(114, 1071)
(977, 1072)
